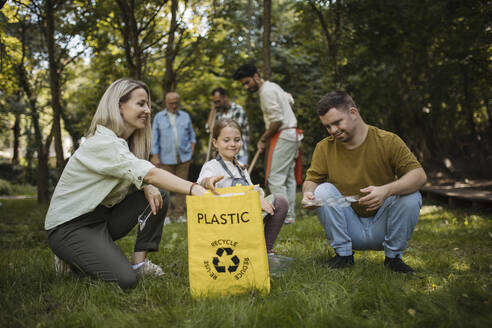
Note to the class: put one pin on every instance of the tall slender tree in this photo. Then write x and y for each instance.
(47, 21)
(169, 80)
(16, 131)
(137, 24)
(267, 28)
(60, 36)
(182, 48)
(331, 32)
(42, 147)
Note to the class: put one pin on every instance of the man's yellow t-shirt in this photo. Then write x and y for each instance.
(382, 158)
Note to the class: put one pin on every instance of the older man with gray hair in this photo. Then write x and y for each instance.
(173, 143)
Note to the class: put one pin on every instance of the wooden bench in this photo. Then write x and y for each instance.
(460, 196)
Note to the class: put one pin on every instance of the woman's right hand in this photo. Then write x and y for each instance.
(209, 183)
(197, 190)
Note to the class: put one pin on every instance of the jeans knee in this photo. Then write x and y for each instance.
(411, 202)
(326, 189)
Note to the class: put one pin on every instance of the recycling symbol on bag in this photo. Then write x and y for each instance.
(225, 259)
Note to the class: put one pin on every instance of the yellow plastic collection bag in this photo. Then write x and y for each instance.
(226, 243)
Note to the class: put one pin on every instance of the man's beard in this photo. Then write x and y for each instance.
(255, 87)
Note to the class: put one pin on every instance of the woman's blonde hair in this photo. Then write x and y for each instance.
(108, 115)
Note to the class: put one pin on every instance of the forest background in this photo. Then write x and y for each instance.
(421, 69)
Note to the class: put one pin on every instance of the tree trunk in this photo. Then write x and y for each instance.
(249, 14)
(43, 178)
(43, 151)
(469, 109)
(29, 151)
(267, 27)
(331, 40)
(16, 131)
(169, 81)
(49, 33)
(133, 53)
(337, 78)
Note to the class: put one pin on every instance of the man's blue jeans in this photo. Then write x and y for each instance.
(389, 229)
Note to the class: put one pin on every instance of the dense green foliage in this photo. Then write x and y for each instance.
(450, 250)
(5, 187)
(421, 69)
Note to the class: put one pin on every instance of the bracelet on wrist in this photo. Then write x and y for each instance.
(191, 187)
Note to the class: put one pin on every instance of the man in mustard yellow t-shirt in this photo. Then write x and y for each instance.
(361, 160)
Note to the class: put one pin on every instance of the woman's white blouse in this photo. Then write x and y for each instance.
(100, 172)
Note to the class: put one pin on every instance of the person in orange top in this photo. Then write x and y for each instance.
(361, 160)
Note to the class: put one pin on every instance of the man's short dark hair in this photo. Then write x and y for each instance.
(220, 90)
(245, 70)
(338, 99)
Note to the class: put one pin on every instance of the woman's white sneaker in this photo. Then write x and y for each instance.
(149, 269)
(61, 267)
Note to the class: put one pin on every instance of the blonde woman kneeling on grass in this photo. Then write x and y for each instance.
(92, 206)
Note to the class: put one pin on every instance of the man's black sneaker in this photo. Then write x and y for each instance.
(396, 264)
(339, 262)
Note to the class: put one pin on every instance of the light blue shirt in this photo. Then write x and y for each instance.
(163, 137)
(100, 172)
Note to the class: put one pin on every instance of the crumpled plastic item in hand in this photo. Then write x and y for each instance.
(332, 201)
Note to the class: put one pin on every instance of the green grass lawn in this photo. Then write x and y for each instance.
(450, 250)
